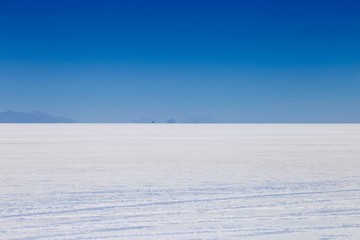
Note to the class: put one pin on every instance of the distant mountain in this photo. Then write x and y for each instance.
(171, 120)
(200, 119)
(31, 117)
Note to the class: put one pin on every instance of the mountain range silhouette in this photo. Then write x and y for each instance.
(31, 117)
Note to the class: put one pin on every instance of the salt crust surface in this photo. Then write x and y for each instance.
(179, 181)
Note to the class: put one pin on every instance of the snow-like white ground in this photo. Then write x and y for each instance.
(222, 181)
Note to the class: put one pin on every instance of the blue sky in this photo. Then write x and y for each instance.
(236, 61)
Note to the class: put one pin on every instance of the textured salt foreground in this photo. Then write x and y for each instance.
(123, 181)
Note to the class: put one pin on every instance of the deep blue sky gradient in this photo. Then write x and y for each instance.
(236, 61)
